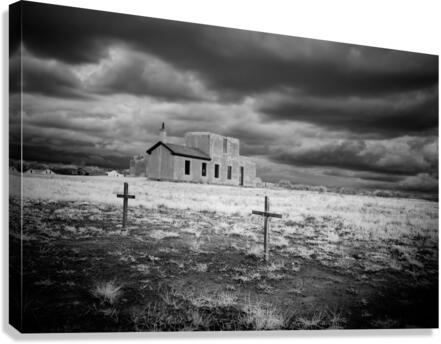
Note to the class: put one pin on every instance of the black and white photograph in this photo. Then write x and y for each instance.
(171, 176)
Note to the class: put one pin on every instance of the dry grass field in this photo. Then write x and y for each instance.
(191, 258)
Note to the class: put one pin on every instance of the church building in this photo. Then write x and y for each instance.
(205, 158)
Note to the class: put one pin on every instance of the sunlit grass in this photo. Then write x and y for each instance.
(366, 216)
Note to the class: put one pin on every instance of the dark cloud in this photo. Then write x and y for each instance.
(68, 122)
(233, 61)
(145, 75)
(399, 158)
(396, 115)
(66, 156)
(365, 175)
(43, 77)
(422, 182)
(251, 135)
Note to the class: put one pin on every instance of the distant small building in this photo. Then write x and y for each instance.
(39, 171)
(12, 169)
(114, 174)
(35, 171)
(205, 158)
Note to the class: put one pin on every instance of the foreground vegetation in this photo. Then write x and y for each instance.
(191, 258)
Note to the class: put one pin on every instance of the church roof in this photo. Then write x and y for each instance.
(179, 150)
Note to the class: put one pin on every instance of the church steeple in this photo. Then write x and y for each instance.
(163, 134)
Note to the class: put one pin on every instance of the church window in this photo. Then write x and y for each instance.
(187, 167)
(229, 172)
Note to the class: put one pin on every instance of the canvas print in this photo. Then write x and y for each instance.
(171, 176)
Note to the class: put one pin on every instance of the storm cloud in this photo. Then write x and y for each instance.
(43, 77)
(413, 112)
(234, 61)
(401, 156)
(96, 86)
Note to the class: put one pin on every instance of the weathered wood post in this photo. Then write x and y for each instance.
(266, 215)
(125, 204)
(125, 197)
(266, 229)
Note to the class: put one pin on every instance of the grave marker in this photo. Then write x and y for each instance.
(126, 197)
(266, 215)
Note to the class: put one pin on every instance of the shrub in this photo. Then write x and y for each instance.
(285, 184)
(107, 291)
(383, 193)
(263, 317)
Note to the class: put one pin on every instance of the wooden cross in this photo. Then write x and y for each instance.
(266, 215)
(126, 197)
